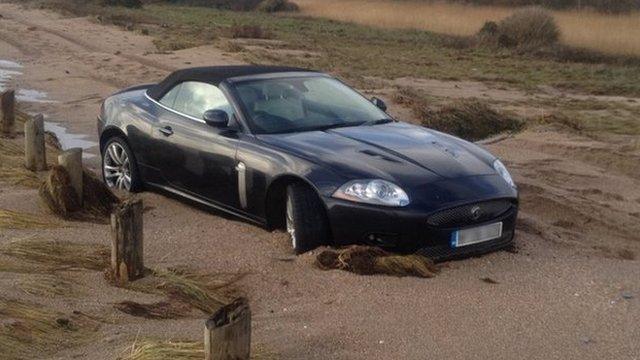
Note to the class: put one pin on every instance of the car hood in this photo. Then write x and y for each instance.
(398, 152)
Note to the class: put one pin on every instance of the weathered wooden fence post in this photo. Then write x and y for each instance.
(7, 111)
(227, 333)
(71, 160)
(35, 158)
(126, 244)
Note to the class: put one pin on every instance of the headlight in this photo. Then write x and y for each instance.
(502, 170)
(377, 192)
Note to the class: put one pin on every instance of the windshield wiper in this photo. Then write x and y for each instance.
(333, 126)
(377, 122)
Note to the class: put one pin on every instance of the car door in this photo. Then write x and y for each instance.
(196, 158)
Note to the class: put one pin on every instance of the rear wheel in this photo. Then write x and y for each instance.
(119, 168)
(306, 221)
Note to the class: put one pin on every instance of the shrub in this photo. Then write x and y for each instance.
(470, 119)
(248, 32)
(530, 27)
(125, 3)
(277, 5)
(236, 5)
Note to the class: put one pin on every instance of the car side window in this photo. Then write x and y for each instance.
(194, 98)
(169, 98)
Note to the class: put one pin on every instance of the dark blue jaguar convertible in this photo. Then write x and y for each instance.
(299, 150)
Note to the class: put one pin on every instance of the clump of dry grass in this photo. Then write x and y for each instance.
(18, 220)
(271, 6)
(158, 310)
(58, 195)
(152, 349)
(125, 3)
(626, 254)
(409, 98)
(245, 31)
(13, 265)
(531, 27)
(47, 285)
(563, 121)
(160, 350)
(12, 170)
(203, 291)
(366, 260)
(32, 331)
(470, 119)
(61, 255)
(98, 200)
(206, 292)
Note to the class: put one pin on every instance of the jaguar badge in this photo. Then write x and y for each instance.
(476, 212)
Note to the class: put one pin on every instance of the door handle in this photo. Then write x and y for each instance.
(166, 131)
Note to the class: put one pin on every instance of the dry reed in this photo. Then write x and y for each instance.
(12, 170)
(206, 292)
(367, 260)
(161, 350)
(157, 310)
(610, 33)
(32, 331)
(19, 220)
(60, 255)
(151, 349)
(47, 285)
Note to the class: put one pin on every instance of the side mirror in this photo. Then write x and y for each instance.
(216, 118)
(379, 103)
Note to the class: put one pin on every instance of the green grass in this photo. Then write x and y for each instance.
(355, 51)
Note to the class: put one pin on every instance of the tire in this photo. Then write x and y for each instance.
(306, 219)
(127, 166)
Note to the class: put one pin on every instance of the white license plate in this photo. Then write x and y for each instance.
(476, 235)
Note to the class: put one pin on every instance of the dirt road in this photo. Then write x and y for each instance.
(572, 291)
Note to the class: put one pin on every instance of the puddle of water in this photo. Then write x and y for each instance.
(29, 95)
(8, 70)
(69, 140)
(9, 64)
(5, 77)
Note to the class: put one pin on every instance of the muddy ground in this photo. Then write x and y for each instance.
(571, 291)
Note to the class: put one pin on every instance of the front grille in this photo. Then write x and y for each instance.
(470, 214)
(446, 252)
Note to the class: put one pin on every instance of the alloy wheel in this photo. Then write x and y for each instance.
(290, 224)
(117, 167)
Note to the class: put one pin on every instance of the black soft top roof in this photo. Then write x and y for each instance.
(213, 75)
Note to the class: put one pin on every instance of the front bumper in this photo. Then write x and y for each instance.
(408, 230)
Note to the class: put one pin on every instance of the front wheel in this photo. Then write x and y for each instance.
(306, 221)
(119, 168)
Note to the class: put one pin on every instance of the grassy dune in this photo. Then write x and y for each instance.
(613, 34)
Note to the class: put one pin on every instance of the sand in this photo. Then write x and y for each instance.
(559, 297)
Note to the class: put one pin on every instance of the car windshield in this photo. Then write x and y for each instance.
(299, 104)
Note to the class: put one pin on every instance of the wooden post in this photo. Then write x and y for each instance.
(126, 244)
(71, 160)
(227, 334)
(7, 111)
(35, 158)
